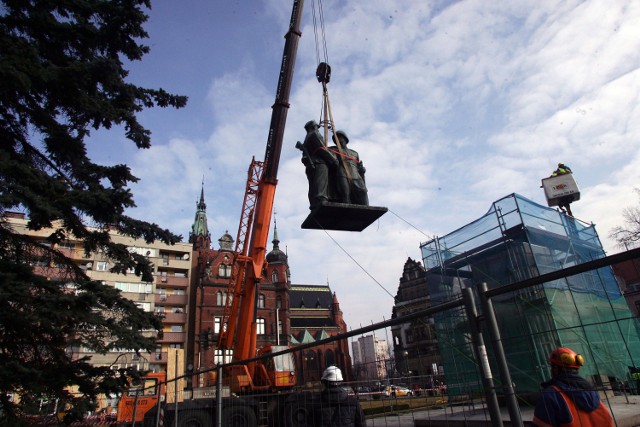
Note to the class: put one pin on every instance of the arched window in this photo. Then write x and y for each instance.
(261, 301)
(274, 275)
(224, 270)
(219, 299)
(312, 361)
(260, 326)
(279, 302)
(329, 358)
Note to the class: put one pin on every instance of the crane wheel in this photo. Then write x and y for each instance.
(239, 416)
(297, 414)
(194, 419)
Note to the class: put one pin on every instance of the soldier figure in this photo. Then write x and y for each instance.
(318, 161)
(354, 192)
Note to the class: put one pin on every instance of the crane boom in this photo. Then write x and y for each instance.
(240, 333)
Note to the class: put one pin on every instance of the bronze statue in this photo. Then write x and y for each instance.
(349, 183)
(319, 163)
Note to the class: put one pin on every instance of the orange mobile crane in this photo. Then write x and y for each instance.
(239, 331)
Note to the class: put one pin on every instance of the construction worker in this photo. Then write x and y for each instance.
(350, 188)
(337, 407)
(562, 170)
(568, 399)
(318, 161)
(564, 205)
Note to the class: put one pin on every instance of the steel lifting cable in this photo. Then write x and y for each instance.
(323, 74)
(320, 18)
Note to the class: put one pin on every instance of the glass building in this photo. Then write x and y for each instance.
(515, 240)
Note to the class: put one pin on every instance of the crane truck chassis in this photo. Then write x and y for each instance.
(139, 406)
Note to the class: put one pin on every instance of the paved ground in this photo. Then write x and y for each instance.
(625, 409)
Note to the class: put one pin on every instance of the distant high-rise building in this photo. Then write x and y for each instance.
(370, 358)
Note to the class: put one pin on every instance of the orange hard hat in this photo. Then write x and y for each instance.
(566, 358)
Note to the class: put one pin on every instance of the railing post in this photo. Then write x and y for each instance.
(481, 355)
(501, 360)
(219, 395)
(175, 393)
(159, 405)
(135, 408)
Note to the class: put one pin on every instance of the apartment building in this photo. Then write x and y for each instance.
(166, 295)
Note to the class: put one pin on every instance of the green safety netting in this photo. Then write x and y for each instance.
(515, 240)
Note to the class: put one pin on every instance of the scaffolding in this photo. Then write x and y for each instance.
(518, 239)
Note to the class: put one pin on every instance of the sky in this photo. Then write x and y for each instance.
(451, 105)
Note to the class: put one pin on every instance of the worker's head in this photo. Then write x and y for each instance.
(331, 376)
(560, 165)
(311, 125)
(565, 360)
(342, 136)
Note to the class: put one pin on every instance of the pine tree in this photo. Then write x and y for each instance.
(62, 76)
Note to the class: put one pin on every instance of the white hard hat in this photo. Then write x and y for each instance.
(332, 374)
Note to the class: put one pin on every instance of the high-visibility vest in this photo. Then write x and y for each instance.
(581, 418)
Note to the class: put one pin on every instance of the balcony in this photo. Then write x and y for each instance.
(172, 338)
(172, 282)
(169, 317)
(164, 299)
(71, 253)
(172, 263)
(159, 358)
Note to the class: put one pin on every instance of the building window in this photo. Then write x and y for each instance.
(261, 301)
(274, 275)
(139, 288)
(102, 266)
(260, 326)
(224, 270)
(221, 298)
(176, 328)
(217, 321)
(66, 245)
(145, 306)
(217, 356)
(279, 302)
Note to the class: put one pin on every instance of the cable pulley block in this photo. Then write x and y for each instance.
(323, 72)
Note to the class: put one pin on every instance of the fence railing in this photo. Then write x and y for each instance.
(482, 388)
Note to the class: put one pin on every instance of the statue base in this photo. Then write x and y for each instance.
(342, 217)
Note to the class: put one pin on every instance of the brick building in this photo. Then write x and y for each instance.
(287, 314)
(628, 276)
(415, 345)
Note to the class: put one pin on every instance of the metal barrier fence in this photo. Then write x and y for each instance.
(487, 396)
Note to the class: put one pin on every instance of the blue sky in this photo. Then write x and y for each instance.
(451, 105)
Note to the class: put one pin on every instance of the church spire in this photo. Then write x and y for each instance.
(275, 241)
(200, 236)
(201, 205)
(276, 256)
